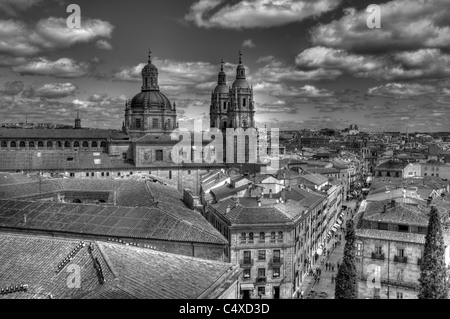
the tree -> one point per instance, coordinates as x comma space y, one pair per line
433, 273
346, 279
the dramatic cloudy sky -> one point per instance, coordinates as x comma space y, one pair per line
312, 63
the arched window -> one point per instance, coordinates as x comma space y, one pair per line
76, 144
13, 144
103, 144
49, 144
31, 144
243, 237
168, 123
59, 144
40, 144
250, 238
155, 123
262, 237
280, 236
22, 144
67, 144
4, 144
94, 144
244, 102
85, 144
272, 237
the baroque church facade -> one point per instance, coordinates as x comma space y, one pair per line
232, 107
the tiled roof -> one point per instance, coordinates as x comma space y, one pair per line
130, 272
226, 190
315, 179
33, 261
11, 178
390, 236
399, 214
392, 165
162, 223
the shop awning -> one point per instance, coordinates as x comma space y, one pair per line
247, 286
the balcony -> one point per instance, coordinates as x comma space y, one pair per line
378, 256
261, 280
245, 263
399, 259
275, 262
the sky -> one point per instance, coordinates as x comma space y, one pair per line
312, 63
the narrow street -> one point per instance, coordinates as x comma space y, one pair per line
336, 255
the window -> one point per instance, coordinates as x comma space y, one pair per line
280, 236
85, 144
4, 144
103, 174
40, 144
247, 273
22, 144
423, 230
49, 144
107, 173
378, 250
272, 237
276, 273
94, 144
359, 249
170, 174
159, 155
72, 174
261, 255
243, 238
103, 144
155, 123
247, 256
13, 144
92, 174
244, 101
400, 252
31, 145
138, 123
168, 123
382, 226
67, 144
124, 156
87, 174
76, 144
261, 272
250, 238
262, 237
403, 228
276, 256
399, 295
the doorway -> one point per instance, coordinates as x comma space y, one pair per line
276, 292
245, 294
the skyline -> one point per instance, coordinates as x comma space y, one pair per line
312, 64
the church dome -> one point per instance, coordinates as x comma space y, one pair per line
241, 83
150, 99
221, 88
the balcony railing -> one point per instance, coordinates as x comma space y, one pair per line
378, 256
275, 262
246, 262
261, 280
399, 259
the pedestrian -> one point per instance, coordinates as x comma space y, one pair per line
326, 266
318, 279
332, 267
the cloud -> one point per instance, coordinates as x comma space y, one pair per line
11, 7
12, 88
405, 25
103, 45
97, 97
61, 68
249, 44
402, 90
18, 39
255, 13
50, 91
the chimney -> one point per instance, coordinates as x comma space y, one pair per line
428, 202
24, 218
228, 208
392, 203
